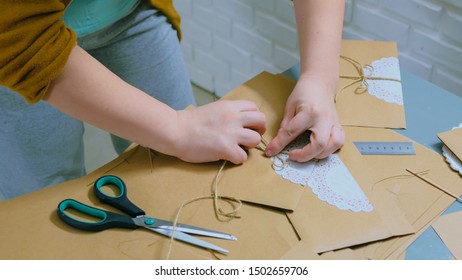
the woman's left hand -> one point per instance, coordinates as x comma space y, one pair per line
310, 107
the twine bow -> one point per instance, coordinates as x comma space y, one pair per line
361, 78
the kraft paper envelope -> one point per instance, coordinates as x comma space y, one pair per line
325, 227
453, 140
419, 201
449, 229
381, 105
255, 181
395, 247
31, 228
270, 93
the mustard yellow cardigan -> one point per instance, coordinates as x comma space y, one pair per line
35, 43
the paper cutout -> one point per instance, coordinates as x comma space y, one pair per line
451, 158
389, 91
449, 230
328, 178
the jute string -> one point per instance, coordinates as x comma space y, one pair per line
236, 203
279, 163
418, 175
361, 78
401, 176
220, 214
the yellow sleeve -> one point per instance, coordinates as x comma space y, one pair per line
34, 45
167, 8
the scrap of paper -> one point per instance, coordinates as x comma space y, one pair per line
449, 229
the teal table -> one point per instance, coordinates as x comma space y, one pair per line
429, 111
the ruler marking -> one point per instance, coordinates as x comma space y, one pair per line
385, 148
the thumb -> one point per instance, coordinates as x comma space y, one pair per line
286, 134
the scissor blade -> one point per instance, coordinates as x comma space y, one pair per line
178, 235
200, 231
193, 230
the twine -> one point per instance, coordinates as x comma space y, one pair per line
401, 176
361, 78
282, 162
435, 185
219, 212
420, 176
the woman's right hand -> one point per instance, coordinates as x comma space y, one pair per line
221, 130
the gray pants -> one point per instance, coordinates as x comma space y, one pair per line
40, 146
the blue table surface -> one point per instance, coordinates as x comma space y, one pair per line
429, 110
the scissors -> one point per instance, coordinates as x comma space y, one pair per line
137, 217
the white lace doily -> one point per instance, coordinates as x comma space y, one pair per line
451, 158
389, 91
329, 179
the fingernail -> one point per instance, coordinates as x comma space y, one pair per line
269, 152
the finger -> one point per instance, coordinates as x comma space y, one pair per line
307, 153
289, 114
254, 120
319, 140
286, 134
246, 105
337, 138
236, 155
249, 138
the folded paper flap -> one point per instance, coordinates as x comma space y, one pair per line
255, 181
370, 102
302, 251
269, 92
453, 140
327, 228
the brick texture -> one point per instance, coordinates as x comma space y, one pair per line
228, 41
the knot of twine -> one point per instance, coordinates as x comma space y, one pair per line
362, 78
279, 163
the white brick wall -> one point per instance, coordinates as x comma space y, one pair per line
428, 32
228, 41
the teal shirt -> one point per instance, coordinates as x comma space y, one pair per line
88, 16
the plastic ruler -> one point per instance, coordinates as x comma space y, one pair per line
385, 148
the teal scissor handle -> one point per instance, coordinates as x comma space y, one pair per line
120, 201
107, 219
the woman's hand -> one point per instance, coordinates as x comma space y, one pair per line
309, 107
219, 130
311, 103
